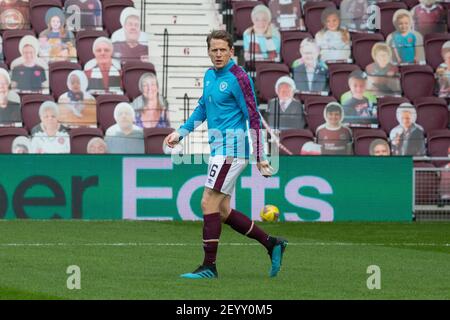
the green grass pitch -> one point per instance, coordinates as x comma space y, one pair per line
143, 260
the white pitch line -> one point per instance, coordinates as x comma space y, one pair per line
138, 244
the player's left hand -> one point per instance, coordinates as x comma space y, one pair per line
265, 168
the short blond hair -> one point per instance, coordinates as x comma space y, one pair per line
381, 46
401, 13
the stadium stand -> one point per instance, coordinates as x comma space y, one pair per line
362, 44
363, 138
313, 11
11, 39
7, 135
314, 107
79, 138
267, 75
290, 44
432, 113
412, 75
339, 78
387, 107
38, 10
58, 76
154, 138
84, 41
131, 73
30, 109
242, 16
387, 10
433, 44
111, 13
294, 139
105, 109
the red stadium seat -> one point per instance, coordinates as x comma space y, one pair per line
313, 14
362, 44
38, 9
111, 13
387, 10
364, 137
79, 138
438, 143
84, 41
7, 136
105, 109
314, 107
58, 72
433, 44
11, 39
267, 75
417, 81
411, 3
339, 78
30, 109
294, 139
131, 73
432, 113
290, 45
387, 108
242, 16
154, 138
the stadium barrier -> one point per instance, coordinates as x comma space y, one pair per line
431, 189
108, 187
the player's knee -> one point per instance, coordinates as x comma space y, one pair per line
224, 211
205, 205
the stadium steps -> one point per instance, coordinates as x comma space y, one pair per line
188, 23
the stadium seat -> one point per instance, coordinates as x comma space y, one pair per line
290, 45
79, 138
362, 44
242, 11
417, 81
337, 2
294, 139
313, 13
131, 73
432, 113
339, 78
38, 10
267, 75
314, 106
411, 3
364, 137
11, 39
154, 138
105, 109
433, 44
84, 41
111, 13
386, 113
426, 184
58, 72
387, 10
7, 136
438, 143
30, 109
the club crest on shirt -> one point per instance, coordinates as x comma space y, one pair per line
223, 86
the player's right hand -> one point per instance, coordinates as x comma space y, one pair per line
172, 139
265, 168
